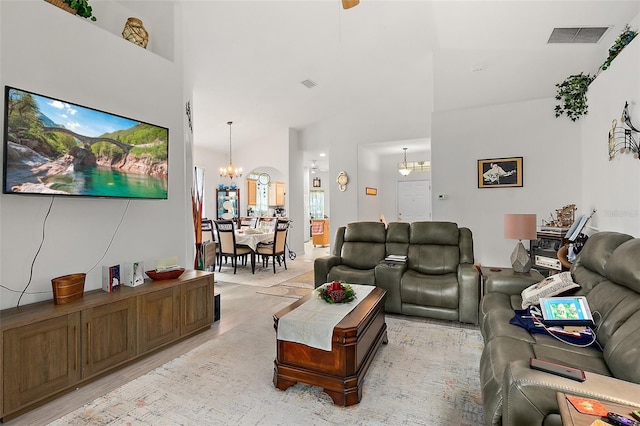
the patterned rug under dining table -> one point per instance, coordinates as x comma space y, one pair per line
340, 372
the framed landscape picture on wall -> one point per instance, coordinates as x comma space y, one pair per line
500, 172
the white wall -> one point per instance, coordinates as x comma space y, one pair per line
295, 194
550, 149
369, 166
51, 52
612, 187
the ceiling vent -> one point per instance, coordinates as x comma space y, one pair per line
309, 83
577, 35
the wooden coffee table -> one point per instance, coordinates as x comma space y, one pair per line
354, 344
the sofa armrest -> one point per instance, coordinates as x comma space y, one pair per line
468, 293
530, 395
509, 282
388, 276
321, 268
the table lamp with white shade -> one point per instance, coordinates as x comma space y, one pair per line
520, 227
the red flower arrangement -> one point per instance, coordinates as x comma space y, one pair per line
336, 292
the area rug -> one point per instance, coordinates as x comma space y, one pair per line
285, 291
295, 288
426, 375
263, 277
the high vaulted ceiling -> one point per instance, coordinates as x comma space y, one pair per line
246, 59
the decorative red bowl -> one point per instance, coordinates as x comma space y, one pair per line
169, 275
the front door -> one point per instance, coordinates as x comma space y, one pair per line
414, 200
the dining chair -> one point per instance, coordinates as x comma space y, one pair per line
248, 221
228, 247
207, 230
275, 248
267, 224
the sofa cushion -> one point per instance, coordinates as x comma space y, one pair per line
433, 259
438, 233
623, 266
553, 285
611, 305
352, 275
597, 250
623, 350
397, 238
430, 290
433, 248
360, 255
364, 245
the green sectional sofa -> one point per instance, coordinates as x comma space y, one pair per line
608, 271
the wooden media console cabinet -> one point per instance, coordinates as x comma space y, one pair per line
46, 349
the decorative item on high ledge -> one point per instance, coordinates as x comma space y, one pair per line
621, 42
75, 7
135, 32
336, 292
572, 92
624, 139
520, 227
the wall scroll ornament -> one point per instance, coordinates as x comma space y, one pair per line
624, 139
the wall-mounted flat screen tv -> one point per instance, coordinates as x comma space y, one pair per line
55, 147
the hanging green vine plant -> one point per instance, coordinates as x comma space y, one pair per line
572, 94
623, 39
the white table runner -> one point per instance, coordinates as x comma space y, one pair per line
312, 323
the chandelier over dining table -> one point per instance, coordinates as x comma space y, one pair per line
230, 171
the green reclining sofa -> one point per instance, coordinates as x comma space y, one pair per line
438, 279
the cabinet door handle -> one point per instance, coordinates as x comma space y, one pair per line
184, 307
88, 343
75, 348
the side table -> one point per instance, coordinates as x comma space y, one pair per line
506, 280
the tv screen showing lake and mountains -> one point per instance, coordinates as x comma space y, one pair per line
56, 147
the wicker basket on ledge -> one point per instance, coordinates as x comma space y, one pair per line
62, 5
68, 288
135, 32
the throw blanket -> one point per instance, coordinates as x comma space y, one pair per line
312, 323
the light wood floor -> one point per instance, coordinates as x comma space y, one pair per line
239, 304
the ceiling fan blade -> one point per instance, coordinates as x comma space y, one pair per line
348, 4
